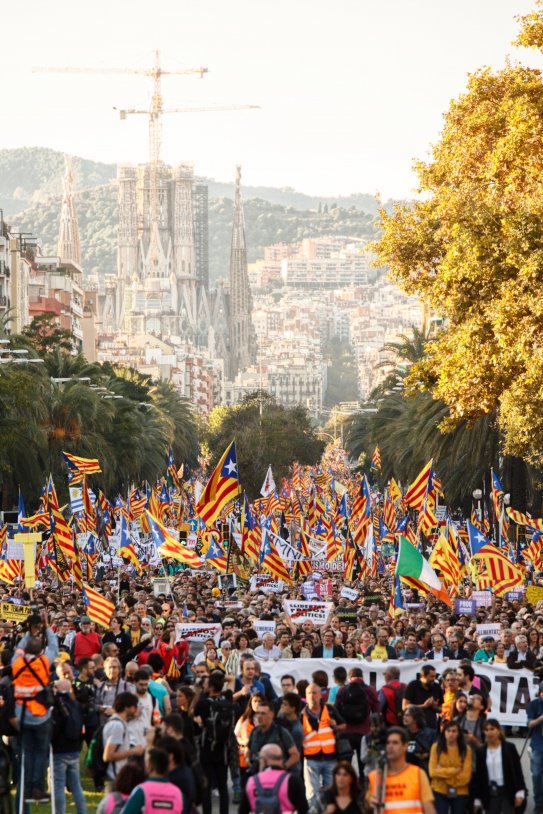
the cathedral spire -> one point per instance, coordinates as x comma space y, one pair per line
242, 335
69, 247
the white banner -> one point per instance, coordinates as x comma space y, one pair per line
510, 690
263, 626
265, 582
197, 632
489, 630
349, 593
301, 611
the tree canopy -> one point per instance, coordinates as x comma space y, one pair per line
125, 419
472, 249
280, 436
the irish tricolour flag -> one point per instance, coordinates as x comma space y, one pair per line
412, 565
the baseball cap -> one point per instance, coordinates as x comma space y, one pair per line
84, 620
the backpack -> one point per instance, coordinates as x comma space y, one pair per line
94, 760
397, 710
119, 803
219, 723
69, 718
267, 799
353, 703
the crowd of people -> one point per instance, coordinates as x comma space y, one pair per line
159, 721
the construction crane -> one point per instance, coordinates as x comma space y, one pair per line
155, 112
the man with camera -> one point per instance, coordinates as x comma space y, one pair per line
31, 669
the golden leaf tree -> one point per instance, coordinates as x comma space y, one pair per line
472, 249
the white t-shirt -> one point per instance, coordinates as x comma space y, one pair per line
116, 732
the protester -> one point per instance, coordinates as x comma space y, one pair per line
450, 768
403, 784
285, 787
499, 786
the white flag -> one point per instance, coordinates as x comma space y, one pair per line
269, 484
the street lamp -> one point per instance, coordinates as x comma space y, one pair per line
477, 497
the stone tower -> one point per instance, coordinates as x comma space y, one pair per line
69, 246
158, 290
242, 335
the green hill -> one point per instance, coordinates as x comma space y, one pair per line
31, 184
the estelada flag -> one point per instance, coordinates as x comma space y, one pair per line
222, 487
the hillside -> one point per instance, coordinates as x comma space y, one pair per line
30, 189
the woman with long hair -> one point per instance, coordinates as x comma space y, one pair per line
450, 769
499, 786
242, 645
244, 726
345, 795
471, 720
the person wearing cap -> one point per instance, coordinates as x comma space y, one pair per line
486, 650
535, 728
87, 643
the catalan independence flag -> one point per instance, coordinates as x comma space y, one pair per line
416, 493
376, 460
78, 467
97, 607
168, 546
222, 487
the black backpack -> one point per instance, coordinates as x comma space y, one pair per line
219, 723
353, 703
267, 798
94, 760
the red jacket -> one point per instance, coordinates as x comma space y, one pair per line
86, 645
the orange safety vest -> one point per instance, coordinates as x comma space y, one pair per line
402, 790
26, 684
242, 731
322, 740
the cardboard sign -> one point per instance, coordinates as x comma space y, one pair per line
349, 593
230, 604
492, 629
261, 626
465, 607
16, 551
482, 598
197, 632
161, 586
16, 613
300, 611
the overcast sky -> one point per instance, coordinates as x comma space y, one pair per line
351, 91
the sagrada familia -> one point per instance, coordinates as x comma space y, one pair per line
161, 286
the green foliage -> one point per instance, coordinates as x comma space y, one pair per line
472, 248
130, 435
406, 426
279, 437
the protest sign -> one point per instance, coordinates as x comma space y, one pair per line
308, 590
15, 550
161, 586
324, 589
265, 582
511, 596
300, 611
534, 594
510, 690
347, 614
489, 630
197, 632
227, 581
15, 613
482, 598
230, 604
465, 606
262, 626
349, 593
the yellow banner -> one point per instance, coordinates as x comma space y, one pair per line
534, 594
17, 613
